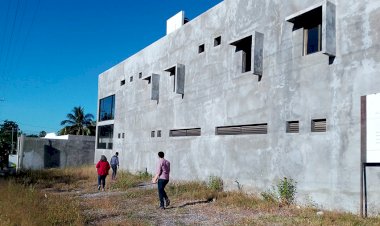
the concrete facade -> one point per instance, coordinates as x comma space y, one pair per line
283, 86
40, 153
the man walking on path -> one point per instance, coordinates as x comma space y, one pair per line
114, 165
162, 179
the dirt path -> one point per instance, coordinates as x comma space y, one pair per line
139, 206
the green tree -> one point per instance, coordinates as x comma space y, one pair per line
42, 133
78, 123
8, 133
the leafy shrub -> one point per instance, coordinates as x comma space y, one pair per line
284, 192
215, 183
287, 190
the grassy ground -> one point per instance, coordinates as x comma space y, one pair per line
70, 197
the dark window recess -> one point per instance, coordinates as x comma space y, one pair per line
172, 73
292, 126
152, 134
140, 75
311, 22
201, 48
123, 136
148, 79
245, 45
106, 108
118, 135
131, 78
105, 137
158, 133
217, 41
185, 132
318, 125
243, 129
122, 82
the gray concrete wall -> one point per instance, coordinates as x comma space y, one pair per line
325, 165
40, 153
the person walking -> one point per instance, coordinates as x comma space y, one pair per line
162, 179
114, 165
102, 167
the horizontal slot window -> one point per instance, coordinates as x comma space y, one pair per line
185, 132
261, 128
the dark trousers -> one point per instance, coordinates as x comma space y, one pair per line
114, 170
102, 180
161, 191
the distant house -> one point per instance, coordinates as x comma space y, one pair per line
55, 151
251, 91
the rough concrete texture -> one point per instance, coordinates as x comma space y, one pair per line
39, 153
326, 165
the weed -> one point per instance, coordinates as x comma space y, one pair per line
215, 183
287, 190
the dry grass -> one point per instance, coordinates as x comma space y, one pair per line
20, 205
126, 203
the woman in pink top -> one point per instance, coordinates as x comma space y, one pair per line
162, 179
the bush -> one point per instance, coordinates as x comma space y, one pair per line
287, 190
284, 192
215, 183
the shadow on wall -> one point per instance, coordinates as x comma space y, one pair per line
52, 157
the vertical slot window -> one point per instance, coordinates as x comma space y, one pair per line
201, 48
217, 41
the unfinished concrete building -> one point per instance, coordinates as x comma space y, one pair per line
252, 91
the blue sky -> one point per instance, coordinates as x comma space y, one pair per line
52, 51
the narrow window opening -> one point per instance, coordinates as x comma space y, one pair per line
217, 41
245, 45
123, 136
131, 78
118, 135
201, 48
122, 82
158, 133
172, 73
185, 132
292, 126
261, 128
140, 75
318, 125
152, 133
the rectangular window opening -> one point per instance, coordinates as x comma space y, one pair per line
245, 45
217, 41
148, 79
105, 137
292, 126
201, 48
158, 133
123, 136
172, 73
106, 108
318, 125
122, 82
185, 132
152, 133
261, 128
131, 79
140, 75
118, 135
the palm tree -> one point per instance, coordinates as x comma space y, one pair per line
78, 123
